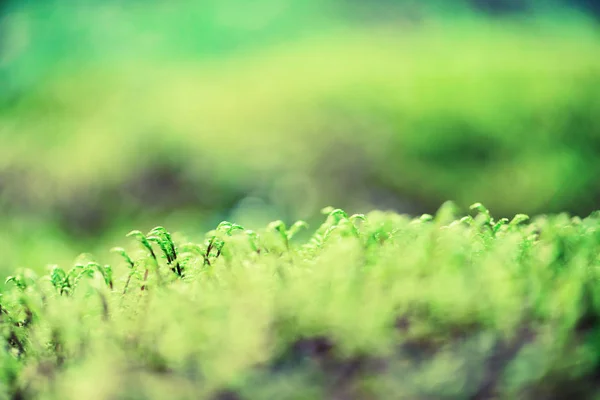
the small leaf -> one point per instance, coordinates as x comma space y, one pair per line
467, 220
338, 214
18, 281
355, 217
105, 271
278, 226
295, 228
224, 225
121, 251
163, 246
143, 240
166, 238
518, 219
499, 224
480, 207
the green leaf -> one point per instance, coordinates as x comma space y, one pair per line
480, 208
467, 220
499, 224
295, 228
356, 217
518, 219
338, 214
121, 251
143, 240
163, 246
168, 243
105, 271
279, 227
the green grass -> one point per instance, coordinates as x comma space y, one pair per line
380, 305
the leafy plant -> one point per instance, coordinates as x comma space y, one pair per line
286, 234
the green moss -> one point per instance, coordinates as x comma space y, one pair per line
371, 306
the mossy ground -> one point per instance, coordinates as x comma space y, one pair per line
375, 306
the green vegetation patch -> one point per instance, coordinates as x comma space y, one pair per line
366, 306
425, 113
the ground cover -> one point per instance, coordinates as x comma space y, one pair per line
380, 305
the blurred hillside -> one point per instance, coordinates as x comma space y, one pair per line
121, 115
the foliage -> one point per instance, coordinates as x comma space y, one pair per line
375, 104
379, 305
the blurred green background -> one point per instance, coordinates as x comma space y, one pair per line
120, 115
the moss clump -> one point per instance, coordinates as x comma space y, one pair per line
367, 306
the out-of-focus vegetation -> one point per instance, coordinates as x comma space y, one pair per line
184, 113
